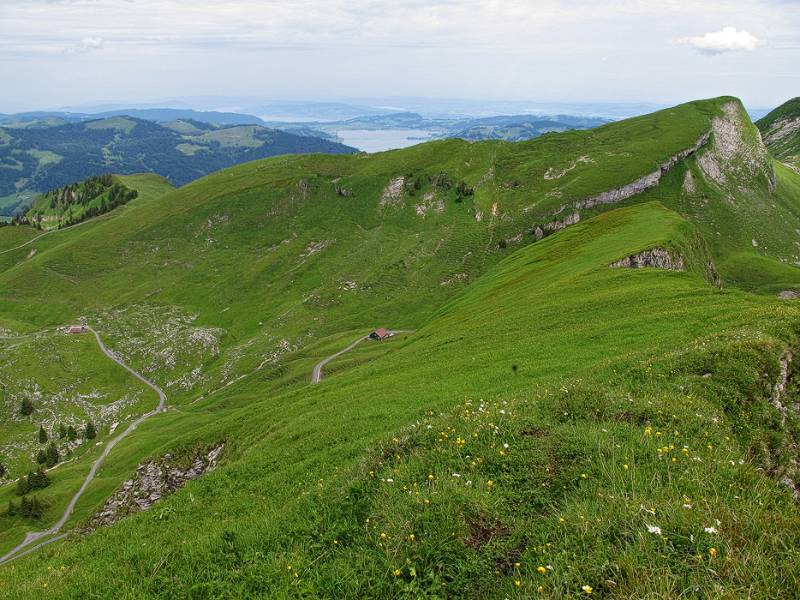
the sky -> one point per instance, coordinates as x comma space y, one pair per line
56, 53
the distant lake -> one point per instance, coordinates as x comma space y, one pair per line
378, 140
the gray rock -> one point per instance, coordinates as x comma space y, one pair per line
656, 257
153, 480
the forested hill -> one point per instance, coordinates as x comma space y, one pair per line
33, 160
82, 200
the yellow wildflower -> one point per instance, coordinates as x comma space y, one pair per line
712, 552
541, 570
517, 582
587, 589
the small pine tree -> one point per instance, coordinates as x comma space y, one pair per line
41, 457
42, 434
35, 508
23, 487
38, 480
52, 455
62, 431
3, 470
90, 432
72, 433
13, 509
26, 408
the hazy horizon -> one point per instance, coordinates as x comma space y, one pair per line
70, 53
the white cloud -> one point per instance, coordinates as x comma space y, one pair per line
88, 44
727, 40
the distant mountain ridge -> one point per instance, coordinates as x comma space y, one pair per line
37, 159
159, 115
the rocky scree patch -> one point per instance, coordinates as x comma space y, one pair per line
153, 480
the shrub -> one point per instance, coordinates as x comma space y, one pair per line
26, 408
90, 432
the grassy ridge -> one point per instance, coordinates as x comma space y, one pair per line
612, 376
228, 290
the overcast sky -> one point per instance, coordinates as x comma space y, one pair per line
66, 52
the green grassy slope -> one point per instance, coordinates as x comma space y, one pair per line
228, 290
149, 187
610, 385
274, 254
781, 131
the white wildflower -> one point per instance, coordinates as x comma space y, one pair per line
654, 529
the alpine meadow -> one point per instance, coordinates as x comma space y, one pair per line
250, 362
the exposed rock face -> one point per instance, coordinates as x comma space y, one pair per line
779, 389
643, 183
656, 257
688, 186
553, 173
782, 129
557, 225
393, 193
153, 480
730, 153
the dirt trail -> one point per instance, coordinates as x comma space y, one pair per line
316, 374
41, 235
34, 536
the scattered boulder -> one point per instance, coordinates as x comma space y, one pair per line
789, 295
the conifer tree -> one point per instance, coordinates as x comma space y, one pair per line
26, 408
42, 434
90, 432
52, 455
23, 487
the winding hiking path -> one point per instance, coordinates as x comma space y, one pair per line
41, 235
27, 546
316, 374
34, 536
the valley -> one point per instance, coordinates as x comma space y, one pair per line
599, 391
